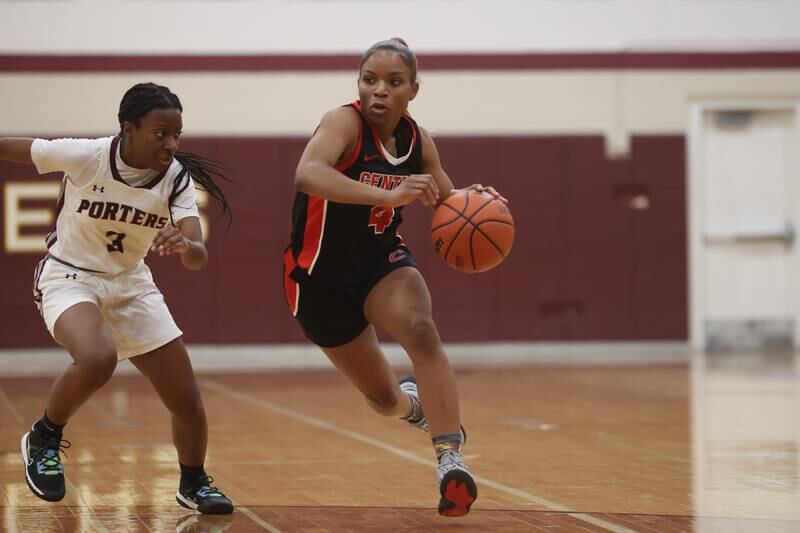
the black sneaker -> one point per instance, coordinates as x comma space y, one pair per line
43, 469
204, 497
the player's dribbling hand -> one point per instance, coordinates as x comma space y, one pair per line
168, 241
477, 187
420, 187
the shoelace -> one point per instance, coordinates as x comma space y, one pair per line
452, 458
47, 455
205, 487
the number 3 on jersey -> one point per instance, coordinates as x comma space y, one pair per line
116, 242
380, 217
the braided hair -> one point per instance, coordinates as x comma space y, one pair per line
140, 100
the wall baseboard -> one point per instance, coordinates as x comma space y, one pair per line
225, 358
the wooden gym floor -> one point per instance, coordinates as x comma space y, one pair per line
654, 448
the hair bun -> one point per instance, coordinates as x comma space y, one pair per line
400, 40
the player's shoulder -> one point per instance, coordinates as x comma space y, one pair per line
94, 147
92, 144
177, 171
100, 145
71, 149
424, 133
343, 118
425, 137
103, 141
83, 143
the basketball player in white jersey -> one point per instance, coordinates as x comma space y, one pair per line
121, 198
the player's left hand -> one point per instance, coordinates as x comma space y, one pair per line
169, 240
477, 187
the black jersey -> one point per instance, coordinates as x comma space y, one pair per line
339, 242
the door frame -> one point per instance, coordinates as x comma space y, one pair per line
695, 201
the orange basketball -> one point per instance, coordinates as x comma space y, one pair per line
472, 231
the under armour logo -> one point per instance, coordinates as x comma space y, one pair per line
95, 187
74, 276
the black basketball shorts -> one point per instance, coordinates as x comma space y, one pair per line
332, 314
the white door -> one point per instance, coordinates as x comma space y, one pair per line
745, 218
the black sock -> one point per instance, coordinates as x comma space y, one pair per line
190, 474
44, 430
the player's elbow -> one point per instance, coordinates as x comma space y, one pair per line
304, 177
301, 178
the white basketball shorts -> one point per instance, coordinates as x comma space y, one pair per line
131, 304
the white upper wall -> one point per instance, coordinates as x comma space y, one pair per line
339, 26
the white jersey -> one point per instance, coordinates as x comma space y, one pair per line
109, 213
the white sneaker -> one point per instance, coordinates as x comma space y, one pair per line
408, 384
457, 488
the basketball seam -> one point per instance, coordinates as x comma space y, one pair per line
456, 211
488, 238
479, 210
466, 205
471, 247
467, 221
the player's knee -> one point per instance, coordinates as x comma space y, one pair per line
99, 363
421, 333
383, 403
189, 407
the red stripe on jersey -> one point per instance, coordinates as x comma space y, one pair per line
290, 286
312, 237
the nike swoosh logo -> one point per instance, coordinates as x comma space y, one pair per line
370, 157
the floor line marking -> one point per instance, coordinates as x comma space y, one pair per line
322, 424
258, 520
13, 410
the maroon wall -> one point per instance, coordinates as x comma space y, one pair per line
585, 266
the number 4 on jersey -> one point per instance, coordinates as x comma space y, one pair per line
380, 217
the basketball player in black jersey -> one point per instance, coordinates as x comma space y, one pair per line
347, 269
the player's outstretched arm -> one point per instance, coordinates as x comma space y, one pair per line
16, 149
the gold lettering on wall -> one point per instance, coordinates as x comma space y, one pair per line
17, 217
